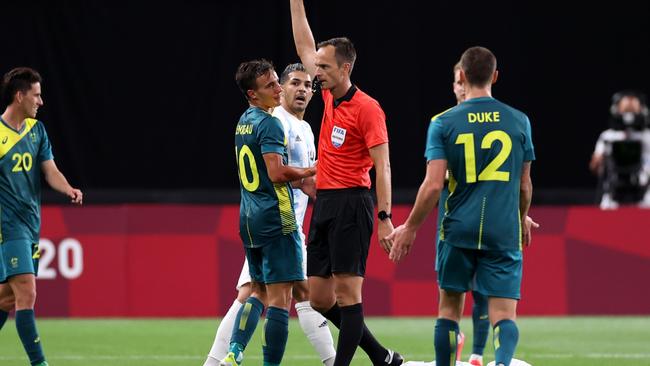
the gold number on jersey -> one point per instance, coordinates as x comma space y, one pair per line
249, 184
467, 139
491, 171
23, 162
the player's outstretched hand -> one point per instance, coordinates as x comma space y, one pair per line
76, 196
526, 234
403, 239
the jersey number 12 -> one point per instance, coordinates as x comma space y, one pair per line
491, 171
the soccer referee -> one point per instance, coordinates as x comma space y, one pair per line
352, 139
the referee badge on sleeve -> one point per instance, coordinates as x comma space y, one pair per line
338, 136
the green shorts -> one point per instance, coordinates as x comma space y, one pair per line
493, 273
278, 261
18, 256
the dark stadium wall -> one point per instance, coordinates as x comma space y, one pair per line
183, 261
140, 95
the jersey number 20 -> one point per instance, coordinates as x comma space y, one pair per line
491, 171
243, 155
23, 162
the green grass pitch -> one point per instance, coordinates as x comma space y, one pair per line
544, 341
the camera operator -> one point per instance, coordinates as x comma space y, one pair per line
621, 158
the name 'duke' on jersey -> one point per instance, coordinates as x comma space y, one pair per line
483, 117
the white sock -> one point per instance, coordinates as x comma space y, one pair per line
221, 343
314, 325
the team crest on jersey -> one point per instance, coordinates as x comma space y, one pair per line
338, 136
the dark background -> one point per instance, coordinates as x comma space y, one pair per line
140, 97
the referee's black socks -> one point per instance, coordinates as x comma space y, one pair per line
375, 351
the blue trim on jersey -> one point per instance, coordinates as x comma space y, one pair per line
11, 128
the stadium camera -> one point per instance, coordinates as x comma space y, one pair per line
629, 120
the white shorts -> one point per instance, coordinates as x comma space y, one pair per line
245, 276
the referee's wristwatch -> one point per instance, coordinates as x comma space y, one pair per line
383, 215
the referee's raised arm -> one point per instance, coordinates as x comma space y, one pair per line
302, 36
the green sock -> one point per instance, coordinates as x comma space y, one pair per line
276, 333
506, 336
481, 323
3, 317
245, 324
445, 338
26, 326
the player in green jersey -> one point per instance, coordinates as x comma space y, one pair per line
487, 147
480, 319
25, 152
268, 226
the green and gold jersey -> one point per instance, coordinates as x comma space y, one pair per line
485, 143
21, 155
266, 209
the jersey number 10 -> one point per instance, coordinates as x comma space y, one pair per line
491, 171
243, 155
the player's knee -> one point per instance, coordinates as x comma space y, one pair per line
450, 313
26, 298
497, 315
244, 293
301, 296
321, 304
261, 296
282, 301
300, 293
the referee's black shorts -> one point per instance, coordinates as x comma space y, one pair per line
340, 231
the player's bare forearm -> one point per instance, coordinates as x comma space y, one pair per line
280, 173
525, 191
426, 199
287, 174
302, 36
403, 236
428, 193
525, 198
59, 183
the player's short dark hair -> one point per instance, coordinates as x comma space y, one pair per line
478, 64
19, 79
343, 50
249, 71
289, 69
